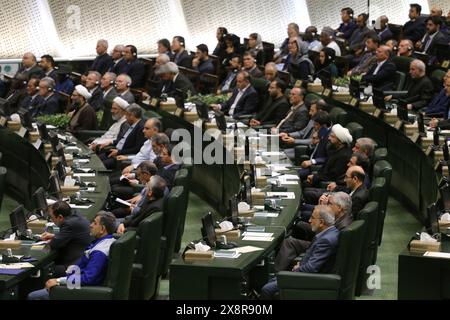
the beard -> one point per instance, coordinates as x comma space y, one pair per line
116, 117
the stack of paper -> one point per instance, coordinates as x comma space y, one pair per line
282, 195
257, 236
228, 254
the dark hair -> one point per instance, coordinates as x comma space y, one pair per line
365, 16
281, 85
375, 38
330, 55
322, 117
310, 33
157, 123
161, 139
165, 43
35, 81
236, 55
203, 48
135, 110
158, 186
360, 176
435, 20
245, 74
362, 160
348, 10
148, 167
180, 39
133, 49
108, 220
49, 58
223, 30
61, 208
416, 6
253, 35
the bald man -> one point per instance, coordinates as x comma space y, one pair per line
382, 74
354, 180
30, 67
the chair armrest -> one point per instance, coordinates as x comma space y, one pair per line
304, 280
245, 117
138, 188
395, 94
84, 293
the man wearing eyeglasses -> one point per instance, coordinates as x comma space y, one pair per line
320, 256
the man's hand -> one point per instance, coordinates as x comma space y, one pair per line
70, 114
121, 158
145, 96
127, 169
388, 98
92, 146
418, 45
103, 145
254, 123
47, 236
306, 164
433, 123
135, 200
331, 186
409, 106
296, 267
195, 62
310, 179
349, 73
283, 135
323, 200
215, 107
133, 182
113, 153
50, 284
121, 229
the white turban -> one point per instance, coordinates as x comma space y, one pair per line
342, 134
83, 91
121, 102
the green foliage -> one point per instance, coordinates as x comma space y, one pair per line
60, 120
345, 81
209, 98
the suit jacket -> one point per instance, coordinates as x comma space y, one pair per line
134, 141
320, 153
336, 166
136, 70
169, 174
359, 200
71, 240
127, 96
297, 121
83, 119
183, 59
305, 133
110, 96
53, 75
385, 35
320, 256
96, 101
31, 104
439, 38
420, 92
384, 79
181, 82
414, 30
50, 106
148, 208
358, 37
34, 71
118, 67
248, 103
274, 111
101, 63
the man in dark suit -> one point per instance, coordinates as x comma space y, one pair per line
107, 86
244, 100
444, 124
354, 180
155, 202
276, 107
414, 29
72, 238
382, 74
50, 104
32, 99
168, 168
173, 80
135, 68
128, 143
123, 84
432, 38
297, 117
419, 86
30, 67
229, 83
181, 56
118, 64
384, 33
93, 85
103, 60
47, 64
320, 256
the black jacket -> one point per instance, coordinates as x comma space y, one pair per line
335, 167
35, 71
134, 141
181, 83
96, 101
359, 200
183, 59
148, 208
101, 63
71, 240
119, 67
50, 106
248, 103
168, 174
136, 71
414, 30
274, 111
297, 121
384, 79
420, 92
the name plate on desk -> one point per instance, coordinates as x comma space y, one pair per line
13, 244
192, 255
398, 125
377, 113
424, 246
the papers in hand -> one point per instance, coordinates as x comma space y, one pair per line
123, 202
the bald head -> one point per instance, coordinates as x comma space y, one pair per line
436, 11
382, 53
354, 177
28, 60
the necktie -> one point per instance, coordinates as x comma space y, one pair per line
427, 43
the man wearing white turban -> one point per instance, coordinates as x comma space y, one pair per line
83, 116
334, 169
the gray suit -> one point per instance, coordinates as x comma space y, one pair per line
127, 96
297, 121
302, 138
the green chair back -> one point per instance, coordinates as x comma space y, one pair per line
380, 154
107, 119
402, 63
3, 172
338, 115
400, 79
261, 86
356, 130
182, 179
383, 169
145, 268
